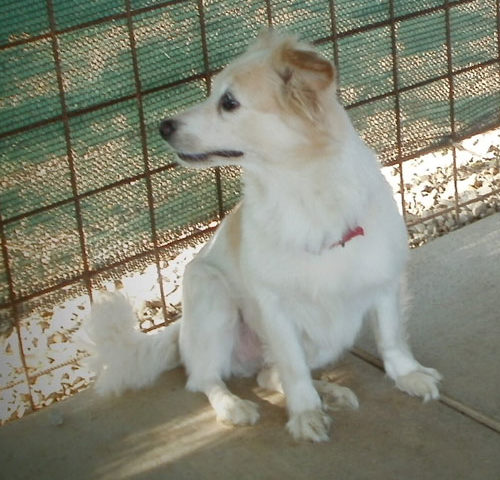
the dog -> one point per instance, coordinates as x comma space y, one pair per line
316, 245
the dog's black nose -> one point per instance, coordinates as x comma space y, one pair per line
167, 128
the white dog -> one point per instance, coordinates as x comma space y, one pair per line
316, 245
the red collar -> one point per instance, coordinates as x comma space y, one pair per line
352, 233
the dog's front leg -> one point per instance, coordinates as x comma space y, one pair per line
307, 420
399, 362
206, 341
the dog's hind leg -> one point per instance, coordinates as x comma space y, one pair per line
332, 394
399, 362
336, 396
207, 336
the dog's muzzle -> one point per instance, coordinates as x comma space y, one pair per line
167, 129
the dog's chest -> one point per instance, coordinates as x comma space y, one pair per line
299, 244
311, 231
316, 263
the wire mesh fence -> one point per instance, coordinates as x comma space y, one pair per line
88, 192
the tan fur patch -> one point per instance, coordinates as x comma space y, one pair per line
320, 71
305, 76
292, 81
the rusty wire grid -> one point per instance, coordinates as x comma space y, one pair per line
88, 193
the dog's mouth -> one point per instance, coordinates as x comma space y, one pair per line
199, 157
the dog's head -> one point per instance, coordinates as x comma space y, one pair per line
275, 102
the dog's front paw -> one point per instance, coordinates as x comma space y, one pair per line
236, 411
420, 383
312, 425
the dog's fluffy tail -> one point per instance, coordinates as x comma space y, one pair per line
123, 357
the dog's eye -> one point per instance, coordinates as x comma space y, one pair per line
228, 103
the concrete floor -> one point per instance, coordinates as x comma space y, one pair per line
168, 433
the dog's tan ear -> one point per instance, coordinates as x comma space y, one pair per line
317, 72
305, 75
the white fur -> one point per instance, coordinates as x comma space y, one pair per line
270, 291
125, 358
